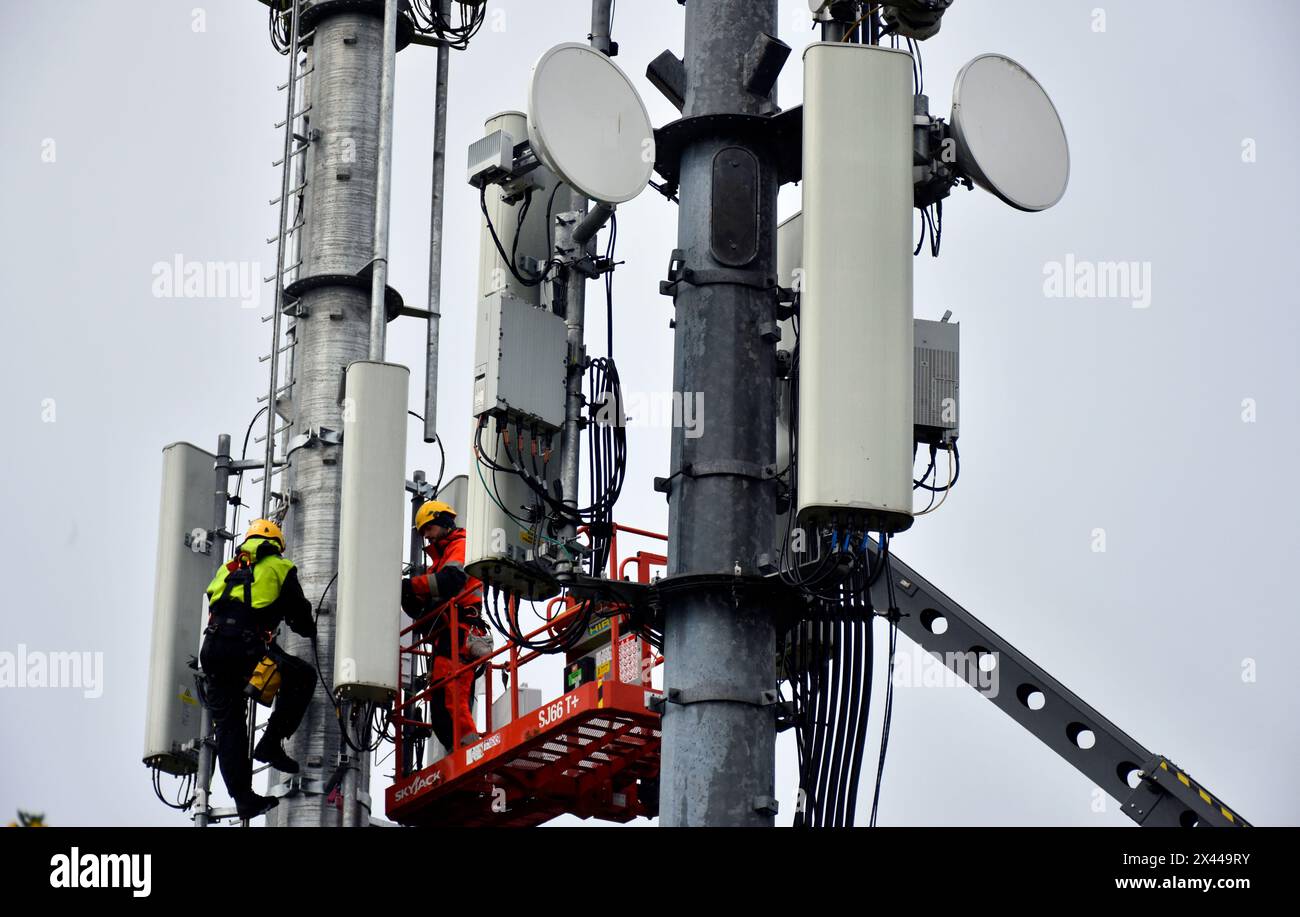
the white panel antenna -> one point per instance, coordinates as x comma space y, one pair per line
372, 531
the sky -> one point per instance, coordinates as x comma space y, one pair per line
1123, 515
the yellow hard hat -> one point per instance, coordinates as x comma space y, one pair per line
430, 511
264, 528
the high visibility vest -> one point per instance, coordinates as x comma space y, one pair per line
249, 580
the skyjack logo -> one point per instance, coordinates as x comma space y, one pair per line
103, 870
476, 752
417, 786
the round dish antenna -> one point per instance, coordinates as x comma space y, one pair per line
588, 125
1010, 140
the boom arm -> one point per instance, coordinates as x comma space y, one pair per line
1164, 795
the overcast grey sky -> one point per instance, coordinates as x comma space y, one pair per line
1078, 413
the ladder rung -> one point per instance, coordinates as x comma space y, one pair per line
293, 117
297, 152
274, 471
288, 232
265, 357
292, 192
297, 78
263, 437
291, 267
261, 399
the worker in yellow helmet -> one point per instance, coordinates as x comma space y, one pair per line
247, 600
429, 598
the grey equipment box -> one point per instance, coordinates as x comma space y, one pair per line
935, 365
519, 356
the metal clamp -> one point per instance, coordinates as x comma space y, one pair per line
758, 280
730, 468
323, 436
766, 698
297, 783
750, 470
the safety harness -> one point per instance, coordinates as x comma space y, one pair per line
230, 617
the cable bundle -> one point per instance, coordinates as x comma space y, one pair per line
954, 471
527, 453
427, 18
506, 622
827, 659
184, 791
279, 15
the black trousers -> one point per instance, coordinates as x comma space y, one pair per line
228, 659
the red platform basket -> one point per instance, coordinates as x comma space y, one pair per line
593, 752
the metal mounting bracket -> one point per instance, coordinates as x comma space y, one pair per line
679, 273
714, 694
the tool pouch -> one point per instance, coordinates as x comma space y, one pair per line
478, 644
265, 682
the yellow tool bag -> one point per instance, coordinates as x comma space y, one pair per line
265, 682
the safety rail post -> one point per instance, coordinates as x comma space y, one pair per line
400, 707
454, 653
514, 681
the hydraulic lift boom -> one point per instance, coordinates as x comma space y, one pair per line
1154, 792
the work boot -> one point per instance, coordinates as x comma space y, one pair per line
269, 751
253, 805
469, 738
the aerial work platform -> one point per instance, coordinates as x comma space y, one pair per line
593, 752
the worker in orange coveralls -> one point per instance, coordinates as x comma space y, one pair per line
444, 585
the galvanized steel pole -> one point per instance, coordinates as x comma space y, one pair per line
435, 235
573, 286
220, 536
718, 728
332, 330
601, 12
383, 184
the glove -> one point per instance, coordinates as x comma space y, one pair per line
411, 603
307, 629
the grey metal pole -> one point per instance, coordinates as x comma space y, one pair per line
834, 30
571, 284
357, 774
203, 780
220, 501
601, 11
417, 543
332, 330
268, 463
383, 184
435, 236
719, 739
355, 779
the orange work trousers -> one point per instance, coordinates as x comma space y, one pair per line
450, 713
